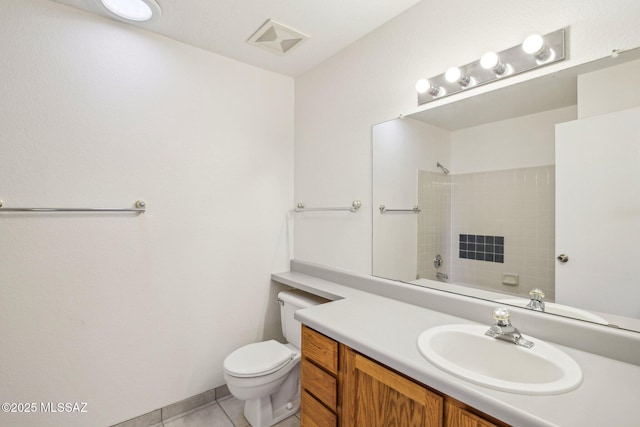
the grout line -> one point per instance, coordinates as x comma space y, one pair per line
225, 413
190, 411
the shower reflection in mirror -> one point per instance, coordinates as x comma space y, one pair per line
483, 171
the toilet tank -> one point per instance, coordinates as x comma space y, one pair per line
290, 301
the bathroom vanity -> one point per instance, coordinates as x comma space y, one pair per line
361, 360
370, 393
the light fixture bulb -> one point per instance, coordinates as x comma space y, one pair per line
132, 10
491, 61
425, 86
534, 45
422, 86
453, 74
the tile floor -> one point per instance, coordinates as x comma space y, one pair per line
225, 412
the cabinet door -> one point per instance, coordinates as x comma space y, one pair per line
375, 396
459, 417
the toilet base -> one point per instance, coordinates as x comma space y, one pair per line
284, 402
260, 414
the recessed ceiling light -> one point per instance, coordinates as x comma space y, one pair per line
133, 10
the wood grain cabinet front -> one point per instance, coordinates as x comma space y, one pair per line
320, 349
375, 396
341, 387
321, 384
460, 415
319, 380
315, 414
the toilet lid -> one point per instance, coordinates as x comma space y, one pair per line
256, 359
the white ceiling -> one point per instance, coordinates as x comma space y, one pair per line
224, 26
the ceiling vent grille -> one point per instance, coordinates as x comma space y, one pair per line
277, 38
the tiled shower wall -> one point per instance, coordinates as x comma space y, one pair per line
434, 223
518, 204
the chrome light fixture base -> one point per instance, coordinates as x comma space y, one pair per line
513, 60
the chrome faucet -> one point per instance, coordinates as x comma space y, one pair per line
536, 302
503, 330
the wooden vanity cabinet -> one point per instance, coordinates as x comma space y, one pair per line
457, 414
319, 380
343, 388
375, 396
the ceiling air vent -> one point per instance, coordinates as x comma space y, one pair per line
277, 38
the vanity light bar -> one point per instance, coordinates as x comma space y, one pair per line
536, 51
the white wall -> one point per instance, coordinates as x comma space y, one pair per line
130, 313
401, 149
609, 90
520, 142
373, 81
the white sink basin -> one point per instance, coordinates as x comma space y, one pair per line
553, 308
466, 352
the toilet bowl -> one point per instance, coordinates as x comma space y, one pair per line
266, 375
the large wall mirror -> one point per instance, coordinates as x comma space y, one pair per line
532, 186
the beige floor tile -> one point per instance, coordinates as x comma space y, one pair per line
207, 416
292, 421
234, 408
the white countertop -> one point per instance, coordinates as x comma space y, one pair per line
387, 330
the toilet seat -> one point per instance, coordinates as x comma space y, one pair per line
258, 359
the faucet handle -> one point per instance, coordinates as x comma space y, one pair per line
501, 315
536, 294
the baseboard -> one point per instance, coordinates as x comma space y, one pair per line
156, 417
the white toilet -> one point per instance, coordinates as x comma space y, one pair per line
267, 374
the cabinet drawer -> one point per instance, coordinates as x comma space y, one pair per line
319, 383
321, 349
314, 414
